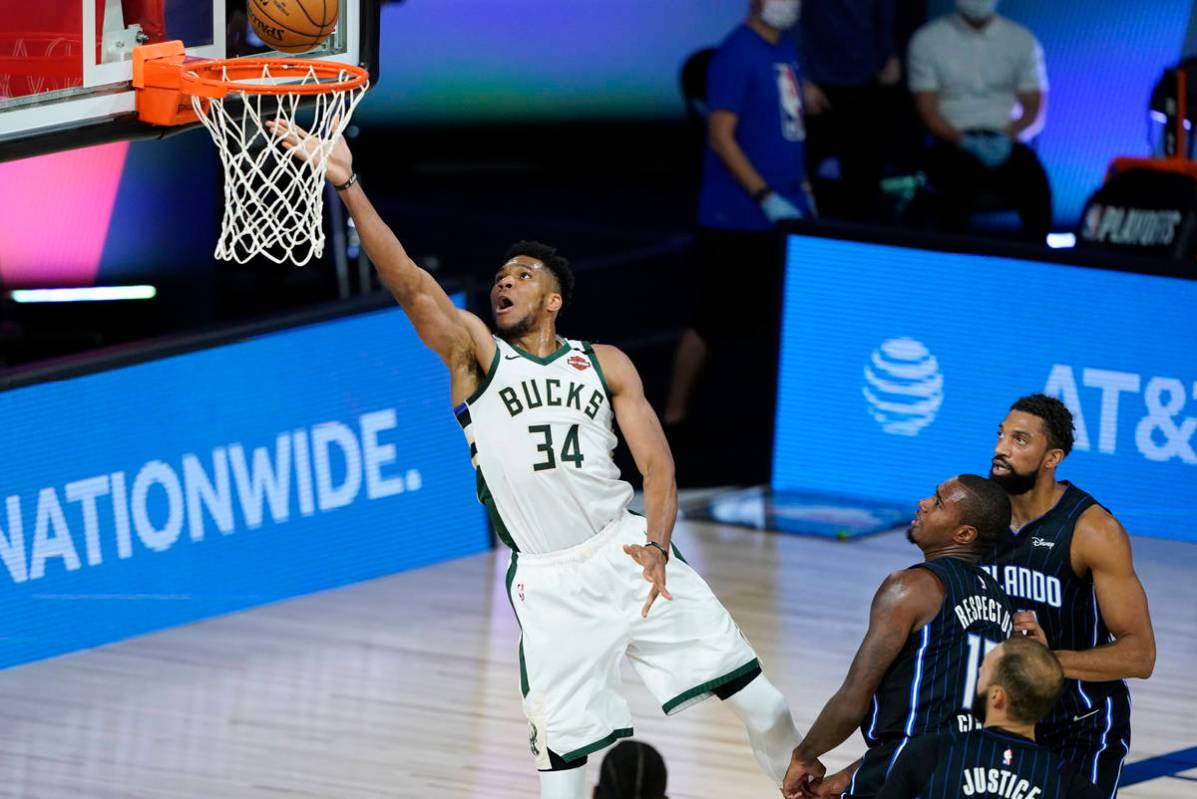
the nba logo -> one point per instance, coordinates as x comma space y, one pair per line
521, 587
788, 90
1092, 224
1007, 757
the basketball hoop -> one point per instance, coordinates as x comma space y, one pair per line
274, 202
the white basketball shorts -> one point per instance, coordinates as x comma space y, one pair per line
579, 610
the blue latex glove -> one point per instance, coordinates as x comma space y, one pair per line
779, 209
991, 151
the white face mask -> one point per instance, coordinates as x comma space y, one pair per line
977, 10
781, 14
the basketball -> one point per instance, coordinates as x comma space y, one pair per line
293, 26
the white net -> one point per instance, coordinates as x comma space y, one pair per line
274, 201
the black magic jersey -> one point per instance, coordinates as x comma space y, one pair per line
1034, 566
984, 763
929, 688
1090, 723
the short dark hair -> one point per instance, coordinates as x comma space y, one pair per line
632, 770
986, 507
1056, 418
1032, 677
553, 262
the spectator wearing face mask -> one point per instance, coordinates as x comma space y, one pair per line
753, 178
980, 88
754, 170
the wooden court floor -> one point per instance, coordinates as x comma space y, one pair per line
407, 686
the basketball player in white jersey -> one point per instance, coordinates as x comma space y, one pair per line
537, 410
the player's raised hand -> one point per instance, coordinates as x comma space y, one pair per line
653, 562
1026, 623
303, 145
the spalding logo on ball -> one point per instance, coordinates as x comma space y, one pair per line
293, 26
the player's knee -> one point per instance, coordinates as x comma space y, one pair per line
761, 707
556, 763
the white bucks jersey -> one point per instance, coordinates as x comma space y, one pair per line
541, 440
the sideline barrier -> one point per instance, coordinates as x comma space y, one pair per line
177, 489
898, 364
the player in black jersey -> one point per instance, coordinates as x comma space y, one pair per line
929, 627
1019, 682
1067, 559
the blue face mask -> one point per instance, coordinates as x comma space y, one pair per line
977, 10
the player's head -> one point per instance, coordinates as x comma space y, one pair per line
533, 286
1019, 682
1032, 440
631, 770
966, 512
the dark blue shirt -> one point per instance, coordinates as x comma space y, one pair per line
759, 83
846, 42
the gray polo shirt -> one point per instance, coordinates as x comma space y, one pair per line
977, 73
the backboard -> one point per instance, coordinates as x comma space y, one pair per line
66, 65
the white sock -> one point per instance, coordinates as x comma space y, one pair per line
568, 784
770, 726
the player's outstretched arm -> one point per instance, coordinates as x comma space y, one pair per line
1102, 548
458, 337
905, 602
642, 430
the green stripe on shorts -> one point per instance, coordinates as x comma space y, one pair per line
602, 743
515, 557
708, 687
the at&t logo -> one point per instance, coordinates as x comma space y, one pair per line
903, 386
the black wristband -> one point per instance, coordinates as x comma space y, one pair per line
762, 194
346, 184
660, 548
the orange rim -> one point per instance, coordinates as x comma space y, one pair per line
216, 78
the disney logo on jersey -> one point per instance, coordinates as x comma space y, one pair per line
1162, 430
1042, 542
903, 386
578, 362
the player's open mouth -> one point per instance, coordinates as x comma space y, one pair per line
503, 304
999, 467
